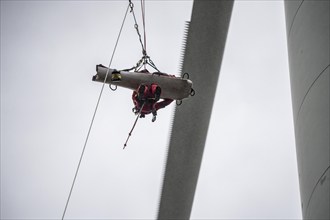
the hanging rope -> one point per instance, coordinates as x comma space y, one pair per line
145, 58
144, 28
131, 5
91, 124
137, 117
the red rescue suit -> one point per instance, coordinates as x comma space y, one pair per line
149, 95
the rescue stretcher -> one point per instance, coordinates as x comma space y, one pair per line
173, 87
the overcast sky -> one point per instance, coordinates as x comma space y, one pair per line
49, 50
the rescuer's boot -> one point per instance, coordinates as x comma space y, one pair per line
154, 114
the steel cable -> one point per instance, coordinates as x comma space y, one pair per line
91, 124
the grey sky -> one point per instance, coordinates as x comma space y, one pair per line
254, 174
49, 51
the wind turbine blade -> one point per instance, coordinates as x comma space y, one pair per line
202, 60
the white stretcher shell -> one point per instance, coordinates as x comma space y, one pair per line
175, 88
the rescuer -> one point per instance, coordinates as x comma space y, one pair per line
148, 97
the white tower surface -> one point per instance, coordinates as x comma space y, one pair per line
308, 46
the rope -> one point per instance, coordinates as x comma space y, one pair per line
91, 124
137, 117
131, 5
144, 27
145, 58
